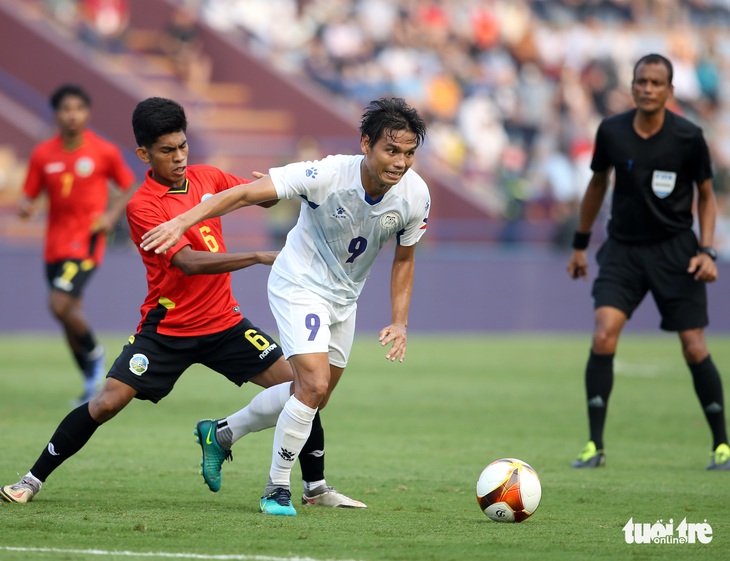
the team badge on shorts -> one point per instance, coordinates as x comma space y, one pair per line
138, 364
390, 220
662, 183
62, 284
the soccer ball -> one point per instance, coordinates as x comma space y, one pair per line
508, 490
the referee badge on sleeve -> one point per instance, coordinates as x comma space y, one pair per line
662, 183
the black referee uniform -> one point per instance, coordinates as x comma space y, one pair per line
650, 238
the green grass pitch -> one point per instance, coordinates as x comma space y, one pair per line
408, 439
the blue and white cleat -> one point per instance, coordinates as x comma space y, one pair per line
278, 503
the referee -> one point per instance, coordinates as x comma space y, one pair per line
658, 157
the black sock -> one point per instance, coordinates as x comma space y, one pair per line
708, 387
599, 382
70, 436
87, 342
311, 458
85, 345
80, 358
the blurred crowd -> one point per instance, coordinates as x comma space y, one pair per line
101, 24
513, 89
104, 25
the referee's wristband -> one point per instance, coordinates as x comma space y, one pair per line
580, 240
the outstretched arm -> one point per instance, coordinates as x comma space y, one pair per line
166, 235
192, 262
401, 289
590, 206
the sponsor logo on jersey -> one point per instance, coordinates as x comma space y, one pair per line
84, 167
312, 172
662, 183
390, 220
138, 364
339, 213
54, 167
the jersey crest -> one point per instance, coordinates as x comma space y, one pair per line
663, 182
391, 221
84, 167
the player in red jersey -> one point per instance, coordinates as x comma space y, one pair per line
189, 316
73, 168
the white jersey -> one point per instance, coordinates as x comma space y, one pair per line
340, 230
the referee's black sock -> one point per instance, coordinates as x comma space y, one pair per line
311, 458
708, 387
70, 436
599, 382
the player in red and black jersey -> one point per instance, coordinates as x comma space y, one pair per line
661, 161
73, 169
188, 317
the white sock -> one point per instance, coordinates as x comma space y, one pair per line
310, 485
292, 431
261, 413
34, 478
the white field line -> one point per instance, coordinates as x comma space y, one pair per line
160, 554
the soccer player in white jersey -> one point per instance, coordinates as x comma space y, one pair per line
351, 206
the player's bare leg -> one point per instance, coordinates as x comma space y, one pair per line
89, 355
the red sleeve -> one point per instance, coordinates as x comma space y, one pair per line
119, 171
34, 180
142, 217
223, 180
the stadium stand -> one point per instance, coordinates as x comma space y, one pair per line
513, 90
261, 106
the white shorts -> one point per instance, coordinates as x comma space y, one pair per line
310, 324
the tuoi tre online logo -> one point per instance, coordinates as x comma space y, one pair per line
659, 532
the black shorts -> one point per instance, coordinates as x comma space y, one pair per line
151, 363
70, 276
628, 271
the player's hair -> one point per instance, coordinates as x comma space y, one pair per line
155, 117
391, 114
654, 58
68, 90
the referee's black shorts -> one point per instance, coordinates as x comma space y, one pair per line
628, 271
151, 363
